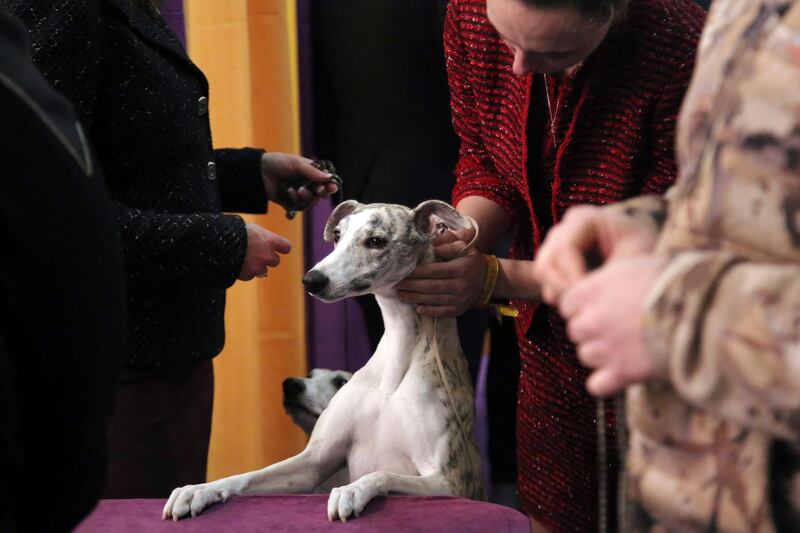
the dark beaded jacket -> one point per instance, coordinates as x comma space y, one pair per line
614, 137
144, 105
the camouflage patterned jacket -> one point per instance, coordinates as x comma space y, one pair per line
715, 444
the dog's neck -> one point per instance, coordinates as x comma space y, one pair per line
403, 331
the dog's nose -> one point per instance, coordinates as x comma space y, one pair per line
293, 387
314, 281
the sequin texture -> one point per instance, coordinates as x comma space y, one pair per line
138, 96
615, 132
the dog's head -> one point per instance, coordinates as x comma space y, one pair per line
305, 398
377, 246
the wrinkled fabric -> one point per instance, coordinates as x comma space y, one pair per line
615, 131
713, 443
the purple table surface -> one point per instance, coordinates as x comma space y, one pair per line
304, 513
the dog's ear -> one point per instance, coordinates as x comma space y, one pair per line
434, 217
341, 211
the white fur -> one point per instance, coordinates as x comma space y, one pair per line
397, 425
305, 407
318, 388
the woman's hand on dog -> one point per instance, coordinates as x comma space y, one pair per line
450, 287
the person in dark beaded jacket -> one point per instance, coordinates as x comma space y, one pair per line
557, 102
144, 106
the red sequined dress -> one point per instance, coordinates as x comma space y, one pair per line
614, 136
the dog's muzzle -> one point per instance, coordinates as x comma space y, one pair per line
293, 387
315, 281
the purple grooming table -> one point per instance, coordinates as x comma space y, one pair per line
304, 513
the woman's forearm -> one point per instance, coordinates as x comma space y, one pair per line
515, 280
492, 219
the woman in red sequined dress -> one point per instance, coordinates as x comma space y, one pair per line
557, 103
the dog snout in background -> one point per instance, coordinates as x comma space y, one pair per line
304, 399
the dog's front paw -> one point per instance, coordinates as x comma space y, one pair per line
348, 501
193, 499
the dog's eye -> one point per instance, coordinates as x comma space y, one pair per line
375, 242
336, 235
339, 382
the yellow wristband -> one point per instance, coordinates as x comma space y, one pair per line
506, 310
489, 282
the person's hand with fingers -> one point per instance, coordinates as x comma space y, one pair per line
449, 287
584, 232
605, 314
263, 247
277, 167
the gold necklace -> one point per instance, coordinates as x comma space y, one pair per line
550, 110
566, 77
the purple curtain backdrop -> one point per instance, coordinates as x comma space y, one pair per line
336, 335
172, 10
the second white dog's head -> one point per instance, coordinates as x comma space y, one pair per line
377, 246
304, 399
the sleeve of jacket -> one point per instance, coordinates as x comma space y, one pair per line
663, 171
240, 183
475, 172
649, 210
196, 248
725, 333
62, 296
67, 42
10, 454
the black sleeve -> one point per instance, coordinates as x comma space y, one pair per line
240, 182
68, 47
10, 456
168, 249
62, 294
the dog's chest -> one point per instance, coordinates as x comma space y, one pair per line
403, 432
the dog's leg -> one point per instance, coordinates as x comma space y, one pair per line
294, 475
351, 499
325, 453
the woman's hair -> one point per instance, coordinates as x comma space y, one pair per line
602, 9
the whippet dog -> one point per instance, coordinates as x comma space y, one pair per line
404, 422
304, 399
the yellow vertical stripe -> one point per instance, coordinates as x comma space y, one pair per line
248, 51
